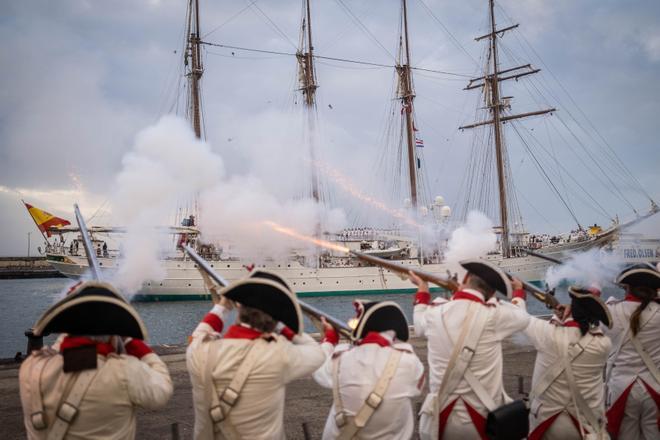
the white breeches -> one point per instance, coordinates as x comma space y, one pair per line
640, 416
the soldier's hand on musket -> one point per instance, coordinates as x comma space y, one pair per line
226, 303
417, 281
516, 284
563, 311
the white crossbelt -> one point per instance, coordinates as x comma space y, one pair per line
223, 402
350, 426
462, 353
69, 408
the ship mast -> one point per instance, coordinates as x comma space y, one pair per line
308, 86
491, 84
193, 60
407, 95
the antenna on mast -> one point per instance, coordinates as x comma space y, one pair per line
490, 82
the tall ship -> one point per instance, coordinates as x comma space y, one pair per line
333, 272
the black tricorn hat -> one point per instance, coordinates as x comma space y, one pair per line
269, 275
380, 316
92, 308
491, 274
642, 275
270, 297
589, 303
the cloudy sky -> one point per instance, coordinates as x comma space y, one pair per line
82, 78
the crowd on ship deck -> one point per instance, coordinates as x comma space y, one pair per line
596, 373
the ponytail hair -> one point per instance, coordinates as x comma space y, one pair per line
646, 295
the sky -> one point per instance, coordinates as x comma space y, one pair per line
81, 79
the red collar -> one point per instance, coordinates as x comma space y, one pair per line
469, 296
241, 332
375, 338
570, 323
102, 348
631, 297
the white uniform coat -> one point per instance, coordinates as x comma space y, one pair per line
556, 399
637, 411
360, 368
259, 412
441, 323
107, 411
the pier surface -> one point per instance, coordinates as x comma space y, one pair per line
306, 402
27, 267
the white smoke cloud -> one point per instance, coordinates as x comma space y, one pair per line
474, 239
167, 164
594, 267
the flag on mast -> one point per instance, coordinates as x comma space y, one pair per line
45, 220
419, 143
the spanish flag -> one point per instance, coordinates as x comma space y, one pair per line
45, 220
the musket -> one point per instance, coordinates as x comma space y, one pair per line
545, 297
92, 262
308, 309
446, 283
543, 257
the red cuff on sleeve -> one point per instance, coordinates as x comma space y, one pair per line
138, 348
519, 293
331, 336
287, 333
422, 297
214, 321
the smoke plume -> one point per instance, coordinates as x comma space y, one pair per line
593, 268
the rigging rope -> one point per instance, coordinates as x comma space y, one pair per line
341, 60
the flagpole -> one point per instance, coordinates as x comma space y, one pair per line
35, 222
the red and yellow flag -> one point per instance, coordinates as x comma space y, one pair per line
45, 220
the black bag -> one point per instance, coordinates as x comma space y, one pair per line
508, 422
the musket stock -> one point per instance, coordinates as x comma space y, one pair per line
545, 297
446, 283
306, 308
92, 262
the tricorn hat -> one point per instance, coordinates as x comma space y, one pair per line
588, 302
92, 308
271, 297
491, 274
380, 316
643, 275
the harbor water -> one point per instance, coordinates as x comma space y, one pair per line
23, 301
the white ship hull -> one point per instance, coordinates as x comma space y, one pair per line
183, 281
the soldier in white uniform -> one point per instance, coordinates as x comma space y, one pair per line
239, 377
465, 378
634, 380
87, 385
567, 400
374, 379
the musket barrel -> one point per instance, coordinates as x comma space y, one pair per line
446, 283
544, 257
92, 262
310, 310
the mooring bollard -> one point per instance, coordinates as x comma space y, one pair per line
175, 431
306, 434
34, 342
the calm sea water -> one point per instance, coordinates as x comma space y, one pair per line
23, 301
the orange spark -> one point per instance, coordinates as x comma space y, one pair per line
292, 233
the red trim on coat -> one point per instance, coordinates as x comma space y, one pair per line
540, 430
214, 321
137, 348
478, 420
615, 412
468, 296
287, 333
240, 332
102, 348
444, 416
656, 398
519, 293
331, 336
374, 338
422, 297
632, 298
